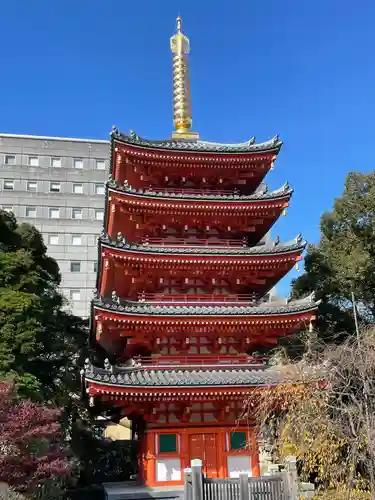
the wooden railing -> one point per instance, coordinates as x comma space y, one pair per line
200, 360
245, 488
198, 487
184, 242
191, 298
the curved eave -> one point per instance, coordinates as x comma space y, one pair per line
263, 251
168, 387
184, 392
198, 146
269, 313
238, 201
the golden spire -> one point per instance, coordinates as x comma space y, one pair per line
182, 119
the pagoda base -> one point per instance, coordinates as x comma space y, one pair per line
224, 451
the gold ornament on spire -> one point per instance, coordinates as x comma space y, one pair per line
182, 116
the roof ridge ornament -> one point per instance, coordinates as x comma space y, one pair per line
299, 238
311, 297
182, 114
133, 135
114, 131
115, 298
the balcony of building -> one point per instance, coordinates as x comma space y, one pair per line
194, 191
200, 361
190, 241
162, 298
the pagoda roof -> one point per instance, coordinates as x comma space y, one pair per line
276, 308
262, 193
182, 377
196, 145
267, 249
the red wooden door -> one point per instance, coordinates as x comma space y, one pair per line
210, 449
203, 446
196, 446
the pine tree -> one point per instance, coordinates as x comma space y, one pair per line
343, 262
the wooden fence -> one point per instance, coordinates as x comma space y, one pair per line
275, 487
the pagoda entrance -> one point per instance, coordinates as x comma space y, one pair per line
225, 451
204, 447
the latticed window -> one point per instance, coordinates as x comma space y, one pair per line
237, 440
167, 443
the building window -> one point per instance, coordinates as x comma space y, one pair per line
76, 213
77, 188
76, 239
8, 185
77, 163
167, 443
99, 189
7, 208
75, 266
75, 295
237, 440
54, 213
95, 267
30, 211
10, 160
54, 187
99, 214
55, 162
33, 161
32, 186
53, 239
100, 165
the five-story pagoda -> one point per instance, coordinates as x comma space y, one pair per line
185, 272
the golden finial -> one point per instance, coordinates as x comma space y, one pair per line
182, 116
179, 24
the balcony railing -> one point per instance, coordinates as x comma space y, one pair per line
184, 242
194, 191
191, 298
200, 360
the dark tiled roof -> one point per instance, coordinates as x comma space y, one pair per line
180, 377
261, 193
117, 305
272, 248
189, 145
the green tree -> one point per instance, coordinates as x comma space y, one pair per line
323, 412
39, 338
344, 260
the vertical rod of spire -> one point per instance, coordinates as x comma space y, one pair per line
182, 114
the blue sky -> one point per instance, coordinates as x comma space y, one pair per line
299, 68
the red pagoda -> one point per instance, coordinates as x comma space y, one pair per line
185, 271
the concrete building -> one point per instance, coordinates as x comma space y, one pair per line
57, 184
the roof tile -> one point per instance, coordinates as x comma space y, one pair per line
187, 146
